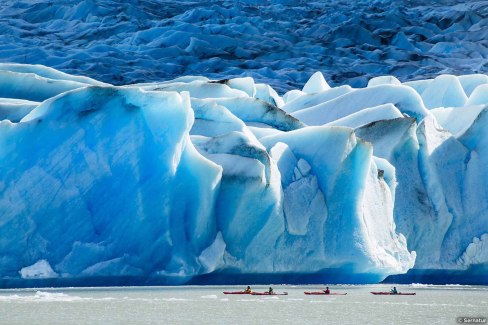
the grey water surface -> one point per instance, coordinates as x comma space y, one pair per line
208, 305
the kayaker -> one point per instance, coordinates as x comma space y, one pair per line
327, 291
248, 289
394, 291
270, 291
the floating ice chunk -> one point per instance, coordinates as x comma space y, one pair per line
316, 84
383, 80
41, 269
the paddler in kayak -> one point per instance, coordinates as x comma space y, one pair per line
248, 289
270, 291
394, 291
327, 291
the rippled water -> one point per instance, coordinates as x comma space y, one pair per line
208, 305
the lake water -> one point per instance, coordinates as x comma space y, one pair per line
208, 305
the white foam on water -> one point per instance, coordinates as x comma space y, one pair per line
248, 300
41, 296
420, 285
271, 298
176, 299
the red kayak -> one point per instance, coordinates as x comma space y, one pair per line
236, 293
394, 294
325, 294
269, 294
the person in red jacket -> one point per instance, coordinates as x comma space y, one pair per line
327, 291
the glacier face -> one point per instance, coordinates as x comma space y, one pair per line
157, 181
196, 178
200, 180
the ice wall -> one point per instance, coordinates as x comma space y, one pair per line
181, 179
196, 179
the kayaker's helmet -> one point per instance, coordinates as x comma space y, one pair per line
248, 287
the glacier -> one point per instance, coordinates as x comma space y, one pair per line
196, 180
199, 142
277, 42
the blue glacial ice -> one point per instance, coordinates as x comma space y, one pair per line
159, 182
278, 42
322, 144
